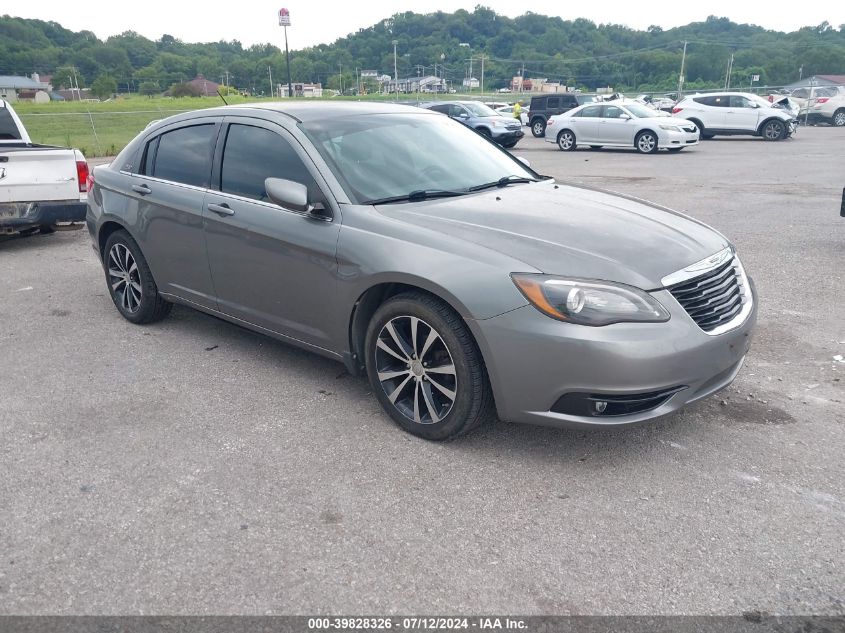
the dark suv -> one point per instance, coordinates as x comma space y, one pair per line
547, 106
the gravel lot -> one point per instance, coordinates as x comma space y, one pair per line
195, 467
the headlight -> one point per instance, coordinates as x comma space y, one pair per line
499, 124
670, 128
588, 302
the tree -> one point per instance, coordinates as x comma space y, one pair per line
149, 88
183, 90
104, 87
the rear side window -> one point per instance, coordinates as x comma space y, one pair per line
253, 154
713, 101
443, 109
183, 155
553, 102
8, 130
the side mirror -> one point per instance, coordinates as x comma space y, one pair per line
289, 194
294, 196
625, 117
463, 115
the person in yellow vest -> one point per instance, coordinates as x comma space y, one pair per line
517, 111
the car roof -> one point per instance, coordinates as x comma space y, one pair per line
317, 110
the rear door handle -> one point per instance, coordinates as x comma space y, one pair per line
221, 209
142, 189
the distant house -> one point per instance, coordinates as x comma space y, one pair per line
429, 83
203, 86
75, 95
818, 80
11, 87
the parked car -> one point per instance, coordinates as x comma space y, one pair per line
41, 186
505, 131
802, 95
628, 124
662, 104
405, 245
544, 107
826, 110
507, 111
731, 113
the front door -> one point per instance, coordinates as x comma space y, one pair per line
613, 129
271, 266
742, 113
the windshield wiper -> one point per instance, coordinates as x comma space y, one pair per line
502, 182
418, 195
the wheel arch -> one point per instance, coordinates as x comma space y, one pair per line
769, 120
105, 231
369, 301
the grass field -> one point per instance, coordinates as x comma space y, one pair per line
103, 129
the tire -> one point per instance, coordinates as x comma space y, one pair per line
130, 282
46, 229
674, 150
510, 145
596, 147
538, 128
706, 137
838, 119
485, 132
461, 399
566, 140
773, 130
646, 142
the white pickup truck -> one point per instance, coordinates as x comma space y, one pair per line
41, 186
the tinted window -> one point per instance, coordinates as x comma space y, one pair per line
184, 155
713, 101
149, 155
444, 109
737, 101
553, 102
8, 130
612, 112
593, 111
253, 154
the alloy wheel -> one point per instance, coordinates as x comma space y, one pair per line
566, 141
416, 370
839, 118
125, 278
646, 143
773, 130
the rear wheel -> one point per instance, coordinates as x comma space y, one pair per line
425, 367
130, 282
839, 117
566, 140
538, 128
646, 142
773, 130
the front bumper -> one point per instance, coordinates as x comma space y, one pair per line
533, 361
506, 136
18, 216
669, 139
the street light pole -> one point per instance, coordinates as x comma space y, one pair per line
284, 21
395, 70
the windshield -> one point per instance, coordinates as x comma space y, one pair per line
639, 111
480, 109
384, 155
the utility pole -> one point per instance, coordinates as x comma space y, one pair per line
284, 21
681, 76
340, 78
730, 70
801, 72
522, 79
395, 69
272, 90
482, 75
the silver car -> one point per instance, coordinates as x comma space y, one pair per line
409, 248
620, 124
499, 128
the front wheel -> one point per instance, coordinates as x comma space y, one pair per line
566, 140
130, 282
839, 118
646, 142
774, 130
538, 128
425, 367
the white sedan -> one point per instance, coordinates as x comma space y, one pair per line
620, 125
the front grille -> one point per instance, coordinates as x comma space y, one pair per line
690, 129
714, 298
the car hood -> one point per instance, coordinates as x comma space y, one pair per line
569, 230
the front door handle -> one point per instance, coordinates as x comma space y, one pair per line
221, 209
142, 189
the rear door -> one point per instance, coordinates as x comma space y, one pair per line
166, 197
585, 124
272, 266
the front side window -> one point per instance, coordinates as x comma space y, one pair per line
253, 154
740, 102
591, 112
612, 112
184, 155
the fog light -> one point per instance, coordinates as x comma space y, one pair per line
601, 405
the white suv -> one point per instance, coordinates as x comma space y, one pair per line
732, 113
826, 110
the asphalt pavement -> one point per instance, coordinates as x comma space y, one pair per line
193, 467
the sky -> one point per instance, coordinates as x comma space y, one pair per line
317, 21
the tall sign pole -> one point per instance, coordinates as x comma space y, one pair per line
284, 21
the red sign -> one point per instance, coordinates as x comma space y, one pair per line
284, 17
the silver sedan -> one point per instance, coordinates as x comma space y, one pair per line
628, 124
401, 243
